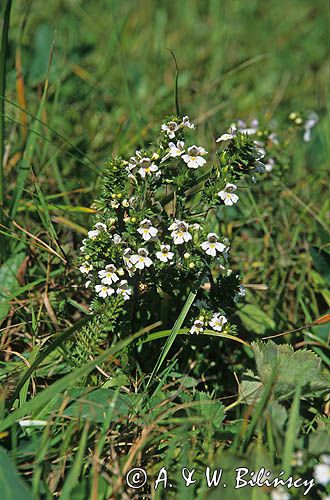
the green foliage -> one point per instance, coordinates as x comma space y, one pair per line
90, 338
301, 368
11, 484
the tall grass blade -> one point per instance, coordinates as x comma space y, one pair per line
260, 408
62, 337
173, 334
291, 433
3, 57
75, 471
62, 384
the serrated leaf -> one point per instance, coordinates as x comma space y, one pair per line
250, 388
301, 367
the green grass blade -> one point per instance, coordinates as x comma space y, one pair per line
29, 149
62, 384
43, 355
185, 331
3, 57
75, 470
173, 334
259, 408
291, 433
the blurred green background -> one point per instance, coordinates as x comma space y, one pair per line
111, 76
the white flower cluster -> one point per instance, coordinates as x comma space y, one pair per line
170, 128
216, 323
146, 166
251, 129
110, 283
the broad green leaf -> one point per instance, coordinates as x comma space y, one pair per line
250, 388
255, 320
93, 405
301, 367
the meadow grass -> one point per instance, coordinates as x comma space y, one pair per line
87, 80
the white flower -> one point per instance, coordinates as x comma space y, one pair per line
227, 194
170, 128
114, 204
116, 239
141, 259
261, 151
244, 129
195, 226
146, 167
87, 283
212, 246
225, 138
279, 493
100, 226
104, 291
269, 165
186, 122
108, 275
125, 203
134, 160
86, 268
312, 120
95, 232
198, 327
322, 470
217, 322
180, 233
176, 149
124, 290
194, 158
165, 255
228, 136
126, 256
147, 230
83, 248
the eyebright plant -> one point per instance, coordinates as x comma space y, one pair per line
153, 238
